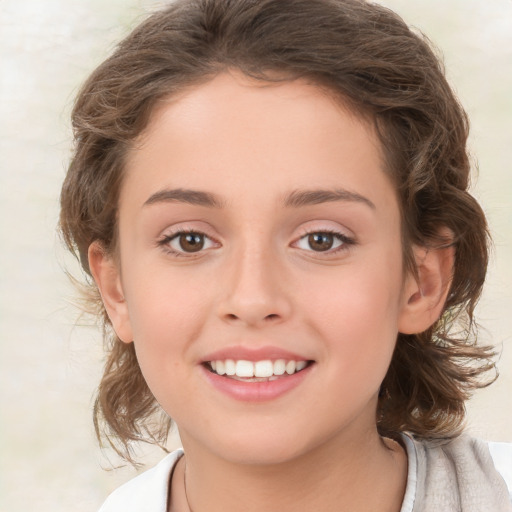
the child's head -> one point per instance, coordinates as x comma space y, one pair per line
287, 66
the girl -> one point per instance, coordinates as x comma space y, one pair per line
271, 200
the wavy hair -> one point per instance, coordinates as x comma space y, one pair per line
381, 69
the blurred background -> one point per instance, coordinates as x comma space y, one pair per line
50, 360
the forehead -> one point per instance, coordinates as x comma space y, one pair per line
271, 136
233, 96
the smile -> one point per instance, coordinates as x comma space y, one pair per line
254, 371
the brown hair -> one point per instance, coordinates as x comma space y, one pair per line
369, 57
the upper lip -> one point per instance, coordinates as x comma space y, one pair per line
238, 353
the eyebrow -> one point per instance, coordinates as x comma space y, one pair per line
295, 199
182, 195
299, 198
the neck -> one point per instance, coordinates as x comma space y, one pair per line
363, 473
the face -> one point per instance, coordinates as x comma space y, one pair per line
258, 232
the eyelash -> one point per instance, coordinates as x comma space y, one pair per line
165, 241
345, 240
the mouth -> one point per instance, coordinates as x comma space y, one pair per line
266, 370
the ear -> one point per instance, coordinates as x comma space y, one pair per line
424, 295
106, 274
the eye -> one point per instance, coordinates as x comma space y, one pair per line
323, 241
186, 242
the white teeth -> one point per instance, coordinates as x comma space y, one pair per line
259, 369
244, 369
279, 367
263, 369
229, 366
219, 367
300, 365
291, 367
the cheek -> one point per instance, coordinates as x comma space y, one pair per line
161, 300
357, 316
167, 318
167, 314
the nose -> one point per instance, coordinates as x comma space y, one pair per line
255, 292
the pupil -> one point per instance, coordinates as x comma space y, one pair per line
320, 241
191, 242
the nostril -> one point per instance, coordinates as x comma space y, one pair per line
271, 316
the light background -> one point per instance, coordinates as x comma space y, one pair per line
49, 367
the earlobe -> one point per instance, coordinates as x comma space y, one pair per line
106, 274
424, 295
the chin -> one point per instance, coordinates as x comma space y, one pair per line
266, 454
265, 447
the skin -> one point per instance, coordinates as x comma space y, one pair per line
258, 282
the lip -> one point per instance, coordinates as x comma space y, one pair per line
256, 391
253, 354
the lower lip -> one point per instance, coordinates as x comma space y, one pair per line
256, 391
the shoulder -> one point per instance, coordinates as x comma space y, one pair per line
147, 491
464, 473
501, 454
487, 457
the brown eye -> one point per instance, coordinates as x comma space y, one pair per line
320, 241
187, 243
324, 241
191, 242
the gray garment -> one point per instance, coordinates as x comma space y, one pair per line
456, 476
453, 476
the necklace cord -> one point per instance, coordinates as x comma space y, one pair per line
185, 486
